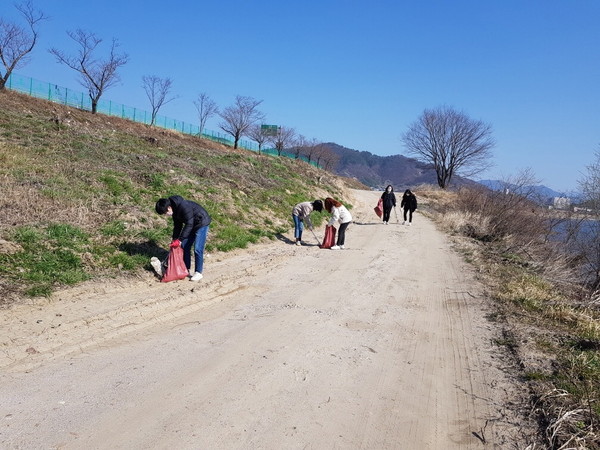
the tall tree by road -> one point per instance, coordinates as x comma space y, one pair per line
450, 141
238, 118
206, 108
157, 89
17, 42
96, 75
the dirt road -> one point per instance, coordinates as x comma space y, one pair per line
381, 345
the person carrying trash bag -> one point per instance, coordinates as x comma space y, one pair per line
388, 202
190, 229
341, 215
409, 203
301, 214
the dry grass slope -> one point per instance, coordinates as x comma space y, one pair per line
78, 193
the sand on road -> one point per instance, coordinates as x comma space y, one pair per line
382, 345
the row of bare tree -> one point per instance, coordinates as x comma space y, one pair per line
98, 74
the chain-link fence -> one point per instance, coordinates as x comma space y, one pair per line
76, 99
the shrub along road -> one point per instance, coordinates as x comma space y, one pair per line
382, 345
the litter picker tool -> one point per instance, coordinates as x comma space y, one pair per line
313, 233
396, 213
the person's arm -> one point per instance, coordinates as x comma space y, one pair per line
186, 223
308, 222
335, 216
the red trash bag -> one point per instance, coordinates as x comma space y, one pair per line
379, 208
176, 269
329, 238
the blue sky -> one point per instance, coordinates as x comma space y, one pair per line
358, 73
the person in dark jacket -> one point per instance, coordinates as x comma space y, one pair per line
389, 202
190, 229
409, 203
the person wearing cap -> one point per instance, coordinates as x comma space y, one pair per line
301, 214
190, 229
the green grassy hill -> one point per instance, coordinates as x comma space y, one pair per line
78, 194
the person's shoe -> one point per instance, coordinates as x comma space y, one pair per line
196, 277
298, 243
342, 247
335, 247
409, 224
156, 265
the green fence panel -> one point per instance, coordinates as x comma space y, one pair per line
77, 99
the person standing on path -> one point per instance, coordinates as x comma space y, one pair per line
300, 214
190, 229
409, 203
340, 214
389, 202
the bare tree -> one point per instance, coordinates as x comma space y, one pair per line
17, 42
299, 146
206, 108
587, 242
311, 149
238, 118
452, 142
260, 135
96, 75
328, 159
157, 89
284, 138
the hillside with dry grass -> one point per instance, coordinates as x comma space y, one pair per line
78, 194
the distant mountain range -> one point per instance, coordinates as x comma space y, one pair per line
379, 171
404, 173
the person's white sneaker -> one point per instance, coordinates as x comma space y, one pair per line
335, 247
156, 265
342, 247
298, 243
409, 224
196, 277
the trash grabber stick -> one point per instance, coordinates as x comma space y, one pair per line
396, 212
318, 241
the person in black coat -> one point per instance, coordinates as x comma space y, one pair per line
389, 202
190, 229
409, 203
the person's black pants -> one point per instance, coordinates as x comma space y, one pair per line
409, 212
342, 233
386, 214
